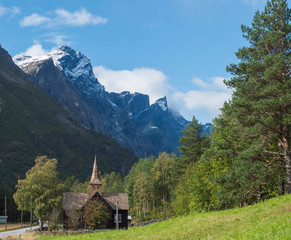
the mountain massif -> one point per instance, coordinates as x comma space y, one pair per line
67, 76
33, 124
54, 105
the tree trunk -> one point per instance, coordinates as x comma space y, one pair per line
288, 170
40, 224
281, 186
287, 158
48, 225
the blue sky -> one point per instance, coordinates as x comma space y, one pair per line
177, 48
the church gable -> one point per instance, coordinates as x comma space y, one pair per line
98, 196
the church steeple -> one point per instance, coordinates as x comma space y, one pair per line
95, 183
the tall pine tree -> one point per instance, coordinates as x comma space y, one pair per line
262, 84
193, 143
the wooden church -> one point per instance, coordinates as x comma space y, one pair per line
115, 202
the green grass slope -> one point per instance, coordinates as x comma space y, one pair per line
34, 124
266, 220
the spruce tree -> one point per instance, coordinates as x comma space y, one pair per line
262, 83
192, 142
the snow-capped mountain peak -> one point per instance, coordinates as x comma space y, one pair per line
75, 65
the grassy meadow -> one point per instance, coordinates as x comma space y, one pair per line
267, 220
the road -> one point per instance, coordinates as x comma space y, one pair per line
15, 232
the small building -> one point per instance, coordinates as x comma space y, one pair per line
2, 219
73, 201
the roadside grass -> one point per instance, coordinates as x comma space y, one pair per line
267, 220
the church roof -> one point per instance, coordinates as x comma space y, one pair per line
75, 200
122, 199
95, 179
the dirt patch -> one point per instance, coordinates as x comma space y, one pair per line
24, 236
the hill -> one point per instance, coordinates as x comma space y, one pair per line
33, 124
266, 220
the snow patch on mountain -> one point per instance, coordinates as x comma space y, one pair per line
162, 102
75, 65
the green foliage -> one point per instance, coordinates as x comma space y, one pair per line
54, 219
112, 182
42, 184
72, 184
96, 214
193, 144
238, 179
73, 218
143, 196
162, 173
267, 220
194, 191
142, 166
262, 101
12, 212
191, 175
150, 187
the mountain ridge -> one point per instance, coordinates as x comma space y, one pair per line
127, 117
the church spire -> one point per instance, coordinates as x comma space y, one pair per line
95, 183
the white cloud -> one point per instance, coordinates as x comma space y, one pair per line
2, 10
14, 11
78, 18
198, 82
34, 20
253, 2
61, 17
208, 100
205, 101
36, 50
215, 83
57, 39
144, 80
10, 11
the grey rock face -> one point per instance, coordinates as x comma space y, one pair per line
68, 76
132, 104
52, 81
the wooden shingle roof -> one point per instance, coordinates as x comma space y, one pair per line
122, 199
75, 201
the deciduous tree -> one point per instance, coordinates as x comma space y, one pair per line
42, 184
96, 214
